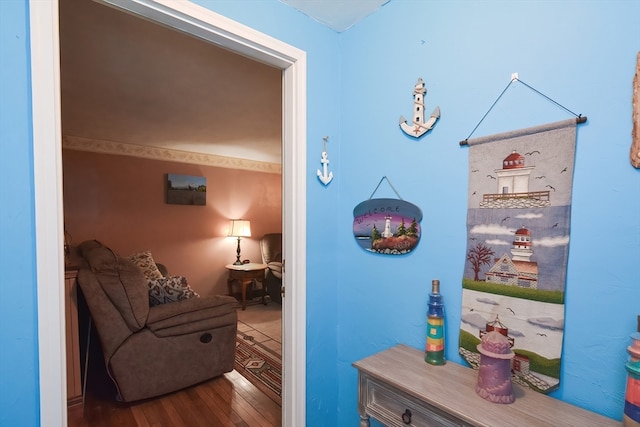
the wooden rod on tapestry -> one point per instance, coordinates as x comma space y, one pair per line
580, 119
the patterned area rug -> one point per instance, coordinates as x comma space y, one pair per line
256, 363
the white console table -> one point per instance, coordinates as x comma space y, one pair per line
398, 388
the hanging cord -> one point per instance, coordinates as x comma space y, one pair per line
391, 185
545, 96
579, 117
489, 110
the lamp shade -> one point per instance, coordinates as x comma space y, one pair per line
240, 228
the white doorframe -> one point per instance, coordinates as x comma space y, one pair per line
47, 149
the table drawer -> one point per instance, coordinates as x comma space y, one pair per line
388, 405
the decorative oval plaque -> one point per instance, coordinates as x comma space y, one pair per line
387, 226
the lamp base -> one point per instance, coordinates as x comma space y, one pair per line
238, 262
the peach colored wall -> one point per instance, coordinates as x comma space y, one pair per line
120, 200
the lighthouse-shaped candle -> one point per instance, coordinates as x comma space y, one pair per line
494, 374
632, 397
435, 327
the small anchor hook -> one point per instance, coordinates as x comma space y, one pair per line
325, 176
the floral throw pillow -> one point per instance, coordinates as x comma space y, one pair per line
169, 289
145, 261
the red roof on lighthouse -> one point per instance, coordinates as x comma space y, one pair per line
513, 161
523, 231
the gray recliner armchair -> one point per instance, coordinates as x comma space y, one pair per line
271, 249
149, 351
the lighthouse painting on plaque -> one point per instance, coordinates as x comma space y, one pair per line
387, 226
518, 221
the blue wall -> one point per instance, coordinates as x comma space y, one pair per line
581, 54
19, 398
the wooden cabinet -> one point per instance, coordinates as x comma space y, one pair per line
398, 388
74, 379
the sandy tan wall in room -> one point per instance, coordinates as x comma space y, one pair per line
120, 200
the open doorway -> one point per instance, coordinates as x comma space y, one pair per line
209, 26
139, 99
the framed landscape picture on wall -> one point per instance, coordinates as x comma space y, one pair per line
186, 190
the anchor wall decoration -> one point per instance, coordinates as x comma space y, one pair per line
325, 176
419, 126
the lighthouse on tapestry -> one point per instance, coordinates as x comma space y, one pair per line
518, 270
521, 250
514, 175
513, 182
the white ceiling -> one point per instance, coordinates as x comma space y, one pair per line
339, 15
128, 81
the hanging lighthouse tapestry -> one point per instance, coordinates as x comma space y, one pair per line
518, 218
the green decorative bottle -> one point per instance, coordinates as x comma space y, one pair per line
435, 327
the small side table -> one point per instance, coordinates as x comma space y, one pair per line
246, 274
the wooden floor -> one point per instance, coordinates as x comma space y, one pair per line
228, 400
